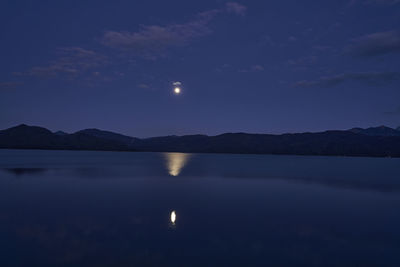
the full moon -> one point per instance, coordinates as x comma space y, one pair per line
177, 87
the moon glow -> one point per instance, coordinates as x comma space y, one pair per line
173, 217
177, 87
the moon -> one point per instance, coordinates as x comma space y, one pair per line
177, 87
177, 90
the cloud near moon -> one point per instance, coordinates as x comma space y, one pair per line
177, 87
177, 83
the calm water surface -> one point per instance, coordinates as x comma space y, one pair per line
78, 208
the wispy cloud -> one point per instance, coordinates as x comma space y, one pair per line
393, 112
373, 2
322, 48
375, 44
385, 2
10, 85
302, 62
223, 68
153, 41
144, 86
72, 61
368, 78
253, 68
236, 8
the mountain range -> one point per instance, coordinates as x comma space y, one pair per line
376, 141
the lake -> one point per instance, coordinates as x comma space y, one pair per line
85, 208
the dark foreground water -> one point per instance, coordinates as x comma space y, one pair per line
67, 208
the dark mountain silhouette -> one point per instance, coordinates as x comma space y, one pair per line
398, 128
60, 133
32, 137
325, 143
377, 131
377, 142
106, 135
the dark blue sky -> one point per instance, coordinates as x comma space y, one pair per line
249, 66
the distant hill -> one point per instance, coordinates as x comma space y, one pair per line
60, 133
324, 143
106, 135
377, 142
32, 137
377, 131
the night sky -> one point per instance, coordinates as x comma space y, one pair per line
251, 66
